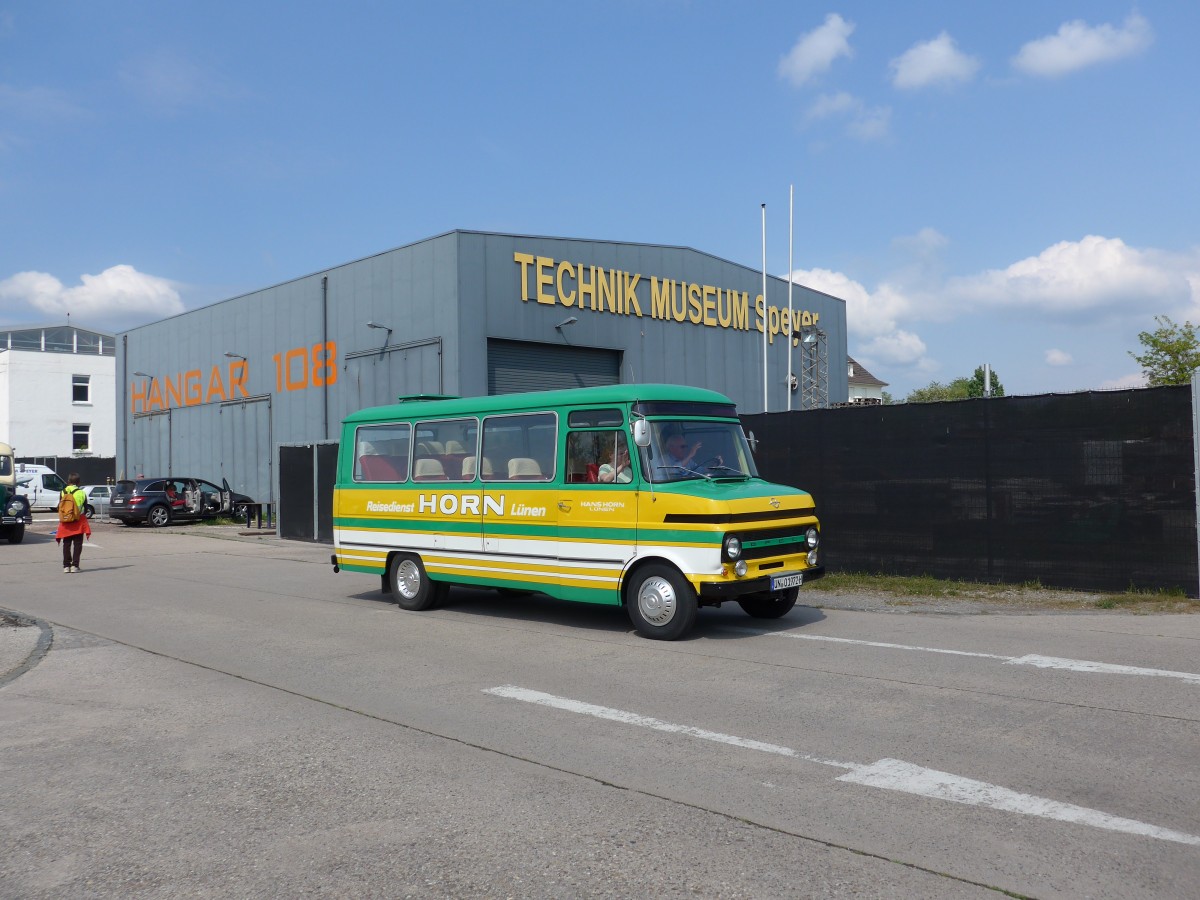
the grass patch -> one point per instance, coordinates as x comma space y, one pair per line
913, 591
1164, 600
902, 585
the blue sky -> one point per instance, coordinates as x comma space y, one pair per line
1004, 182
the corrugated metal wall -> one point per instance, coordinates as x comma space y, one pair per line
228, 384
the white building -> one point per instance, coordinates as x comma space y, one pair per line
864, 388
58, 391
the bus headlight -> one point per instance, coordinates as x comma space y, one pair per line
812, 558
739, 568
812, 536
732, 547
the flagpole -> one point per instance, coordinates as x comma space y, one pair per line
791, 324
764, 295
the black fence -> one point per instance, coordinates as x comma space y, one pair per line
1093, 491
91, 469
306, 476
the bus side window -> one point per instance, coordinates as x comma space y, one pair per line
530, 437
381, 453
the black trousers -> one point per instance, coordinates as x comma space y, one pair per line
72, 547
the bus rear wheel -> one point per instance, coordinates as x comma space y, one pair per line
411, 585
661, 603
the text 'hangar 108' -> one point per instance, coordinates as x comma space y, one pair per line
214, 391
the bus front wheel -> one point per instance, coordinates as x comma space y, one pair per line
660, 602
411, 585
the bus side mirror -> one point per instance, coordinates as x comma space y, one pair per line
752, 441
641, 432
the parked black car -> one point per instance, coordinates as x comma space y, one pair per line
161, 501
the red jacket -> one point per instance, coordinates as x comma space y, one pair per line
80, 525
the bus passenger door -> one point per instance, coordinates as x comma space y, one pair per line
520, 537
597, 516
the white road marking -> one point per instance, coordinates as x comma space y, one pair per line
629, 718
886, 774
1041, 662
897, 775
1083, 665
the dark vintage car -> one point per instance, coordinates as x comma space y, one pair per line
161, 501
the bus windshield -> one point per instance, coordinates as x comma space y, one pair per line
682, 449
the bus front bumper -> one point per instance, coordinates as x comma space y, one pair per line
731, 590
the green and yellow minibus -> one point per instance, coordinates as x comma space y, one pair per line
643, 496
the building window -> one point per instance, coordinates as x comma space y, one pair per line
81, 388
81, 436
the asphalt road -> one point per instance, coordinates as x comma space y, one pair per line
230, 718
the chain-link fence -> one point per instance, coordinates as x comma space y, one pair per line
1094, 491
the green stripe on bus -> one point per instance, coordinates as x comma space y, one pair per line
774, 542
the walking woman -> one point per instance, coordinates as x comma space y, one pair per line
71, 531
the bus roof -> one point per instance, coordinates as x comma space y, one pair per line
590, 396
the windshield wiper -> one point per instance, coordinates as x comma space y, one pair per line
737, 472
685, 469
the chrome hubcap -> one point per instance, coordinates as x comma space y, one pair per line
656, 601
408, 579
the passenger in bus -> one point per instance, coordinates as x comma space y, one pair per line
619, 470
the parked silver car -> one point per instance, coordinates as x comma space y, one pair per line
98, 496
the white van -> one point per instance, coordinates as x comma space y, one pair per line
40, 485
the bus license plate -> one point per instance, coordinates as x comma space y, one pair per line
782, 582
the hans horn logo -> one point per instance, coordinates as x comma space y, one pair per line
774, 503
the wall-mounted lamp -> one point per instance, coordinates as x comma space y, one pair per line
377, 325
570, 320
236, 356
144, 374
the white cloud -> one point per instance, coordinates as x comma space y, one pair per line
872, 124
873, 318
1056, 357
1136, 380
863, 122
900, 348
933, 62
925, 242
1077, 45
817, 50
834, 104
1073, 278
115, 299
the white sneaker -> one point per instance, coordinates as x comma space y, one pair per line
66, 569
74, 569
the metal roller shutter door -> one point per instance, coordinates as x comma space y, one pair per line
514, 366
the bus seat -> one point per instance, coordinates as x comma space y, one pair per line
436, 447
524, 468
468, 467
428, 470
454, 447
378, 468
593, 473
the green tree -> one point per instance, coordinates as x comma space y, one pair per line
958, 389
975, 385
1172, 353
935, 391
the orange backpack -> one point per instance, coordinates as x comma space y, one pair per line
68, 509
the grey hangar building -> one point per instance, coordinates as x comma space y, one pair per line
253, 389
